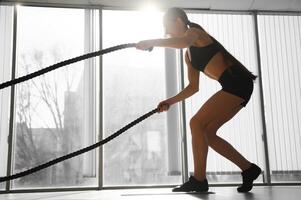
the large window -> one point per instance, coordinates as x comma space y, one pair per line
134, 83
244, 131
56, 113
280, 49
59, 112
6, 33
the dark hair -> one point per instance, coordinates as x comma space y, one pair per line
173, 13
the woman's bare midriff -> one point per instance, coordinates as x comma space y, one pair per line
216, 66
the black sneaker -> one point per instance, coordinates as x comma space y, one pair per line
248, 176
192, 185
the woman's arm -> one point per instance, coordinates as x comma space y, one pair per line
188, 91
187, 40
175, 42
192, 87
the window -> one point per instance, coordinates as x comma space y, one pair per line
134, 83
280, 49
244, 131
6, 32
56, 112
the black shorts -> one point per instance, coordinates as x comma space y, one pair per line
238, 82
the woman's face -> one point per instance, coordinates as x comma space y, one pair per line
174, 28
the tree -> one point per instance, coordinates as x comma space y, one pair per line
35, 98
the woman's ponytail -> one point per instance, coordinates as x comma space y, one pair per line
194, 25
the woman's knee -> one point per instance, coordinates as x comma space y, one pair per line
211, 138
197, 125
210, 132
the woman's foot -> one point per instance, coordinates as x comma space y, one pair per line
192, 185
248, 176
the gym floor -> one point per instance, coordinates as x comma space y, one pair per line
215, 193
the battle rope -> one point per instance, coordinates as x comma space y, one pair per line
66, 62
89, 148
81, 151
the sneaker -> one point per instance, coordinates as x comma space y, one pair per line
192, 185
248, 176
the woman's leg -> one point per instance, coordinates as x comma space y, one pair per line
225, 113
199, 149
219, 109
225, 149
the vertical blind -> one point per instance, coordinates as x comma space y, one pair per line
280, 49
236, 33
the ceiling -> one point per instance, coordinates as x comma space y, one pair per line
244, 5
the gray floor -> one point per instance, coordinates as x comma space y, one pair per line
216, 193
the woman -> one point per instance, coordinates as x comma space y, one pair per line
206, 54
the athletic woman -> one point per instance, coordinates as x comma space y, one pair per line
205, 54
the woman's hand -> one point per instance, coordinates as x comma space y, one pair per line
144, 45
164, 106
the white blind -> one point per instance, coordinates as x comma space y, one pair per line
236, 33
280, 48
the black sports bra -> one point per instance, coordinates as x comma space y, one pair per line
200, 56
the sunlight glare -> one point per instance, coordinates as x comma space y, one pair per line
150, 19
18, 6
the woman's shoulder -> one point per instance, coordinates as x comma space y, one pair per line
194, 30
203, 38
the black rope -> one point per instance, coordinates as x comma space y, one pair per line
81, 151
89, 148
64, 63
